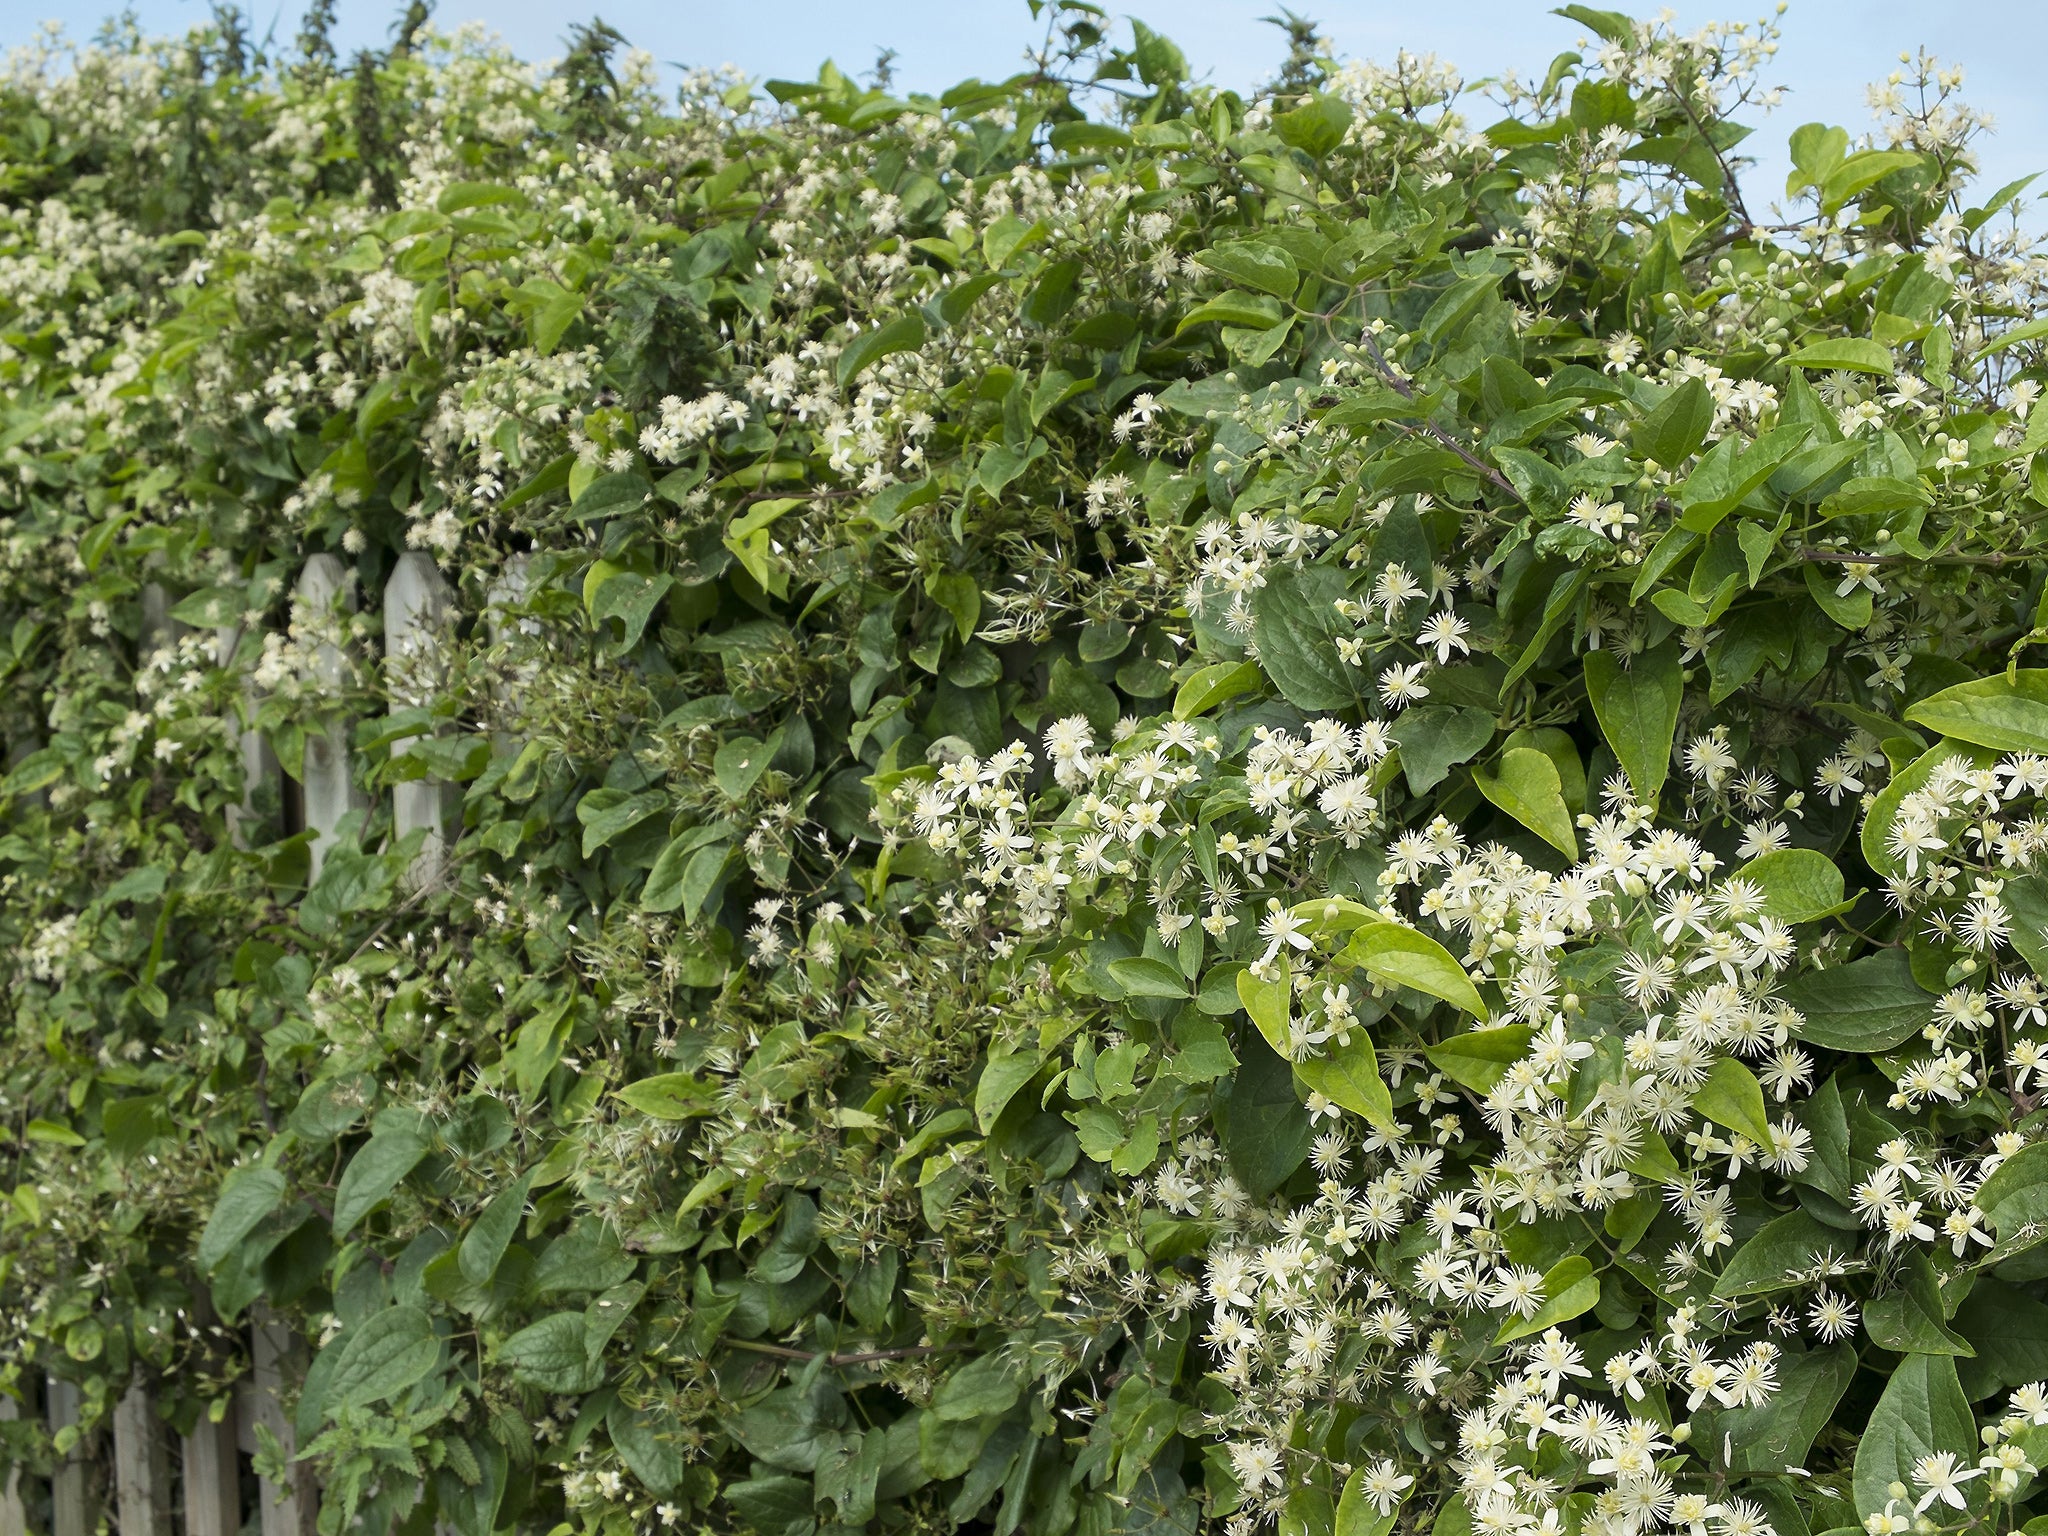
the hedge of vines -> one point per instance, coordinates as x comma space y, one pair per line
1317, 811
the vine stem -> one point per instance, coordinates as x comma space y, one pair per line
1406, 390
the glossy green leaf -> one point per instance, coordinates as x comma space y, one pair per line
1798, 884
2008, 713
1526, 785
1401, 957
1348, 1075
1922, 1412
1732, 1097
1868, 1005
1637, 708
1570, 1289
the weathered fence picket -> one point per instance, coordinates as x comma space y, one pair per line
73, 1505
13, 1508
276, 1358
212, 1479
415, 617
142, 1465
329, 781
195, 1486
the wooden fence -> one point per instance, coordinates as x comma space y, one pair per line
133, 1478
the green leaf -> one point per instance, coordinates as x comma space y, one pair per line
247, 1195
609, 495
1073, 137
608, 813
1077, 691
670, 879
2009, 1329
484, 1244
1867, 1006
382, 1356
1214, 685
2026, 899
1397, 956
1358, 1515
988, 1384
1783, 1253
960, 595
1732, 1097
1559, 608
52, 1133
212, 607
539, 1044
1638, 713
739, 763
1001, 1078
794, 1428
1909, 1318
903, 334
671, 1096
1142, 976
458, 195
1480, 1058
1296, 625
1526, 785
1775, 1434
2014, 1198
1873, 496
1349, 1077
1269, 1002
1255, 311
551, 476
551, 1355
551, 318
1255, 264
1435, 738
701, 877
1855, 354
1877, 821
1860, 172
1009, 235
649, 1444
1799, 884
1922, 1411
2006, 713
1570, 1290
392, 1152
2031, 330
1316, 128
1672, 432
1816, 149
1266, 1133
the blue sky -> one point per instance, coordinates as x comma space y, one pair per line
1831, 48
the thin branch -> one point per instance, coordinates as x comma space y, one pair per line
1406, 391
1729, 183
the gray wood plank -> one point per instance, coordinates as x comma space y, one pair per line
142, 1465
290, 1509
13, 1512
415, 615
213, 1483
329, 782
73, 1506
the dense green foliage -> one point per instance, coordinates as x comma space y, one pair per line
1174, 810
